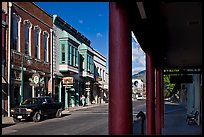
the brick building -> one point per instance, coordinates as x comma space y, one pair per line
27, 51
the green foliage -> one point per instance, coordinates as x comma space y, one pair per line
170, 88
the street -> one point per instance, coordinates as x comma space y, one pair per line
89, 121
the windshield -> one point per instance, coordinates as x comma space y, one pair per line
30, 101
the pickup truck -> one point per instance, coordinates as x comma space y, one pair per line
37, 107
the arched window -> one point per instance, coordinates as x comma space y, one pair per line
45, 38
16, 19
27, 32
37, 41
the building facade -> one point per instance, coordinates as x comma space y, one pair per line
27, 51
3, 51
44, 55
137, 89
100, 88
73, 62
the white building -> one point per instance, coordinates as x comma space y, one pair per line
100, 86
137, 89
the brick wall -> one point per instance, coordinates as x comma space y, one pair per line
29, 11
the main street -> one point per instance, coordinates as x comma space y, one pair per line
89, 121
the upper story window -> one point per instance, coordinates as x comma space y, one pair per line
45, 38
104, 75
16, 32
100, 72
37, 41
73, 55
97, 73
63, 53
3, 41
27, 32
76, 55
90, 64
70, 55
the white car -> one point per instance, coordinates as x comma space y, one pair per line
139, 97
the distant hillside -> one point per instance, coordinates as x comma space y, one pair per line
140, 75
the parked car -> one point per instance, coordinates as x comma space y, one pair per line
139, 96
36, 108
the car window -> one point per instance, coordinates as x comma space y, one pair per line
30, 101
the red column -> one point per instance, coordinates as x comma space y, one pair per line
158, 100
162, 99
150, 95
120, 71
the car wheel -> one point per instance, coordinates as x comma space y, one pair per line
36, 117
16, 120
59, 113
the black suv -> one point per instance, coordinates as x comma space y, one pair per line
36, 108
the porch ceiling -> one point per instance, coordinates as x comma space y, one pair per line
171, 30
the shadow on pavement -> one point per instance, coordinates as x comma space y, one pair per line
6, 125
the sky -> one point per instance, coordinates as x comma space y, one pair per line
92, 19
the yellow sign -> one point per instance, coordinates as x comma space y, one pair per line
98, 78
68, 81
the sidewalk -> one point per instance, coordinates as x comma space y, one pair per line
175, 124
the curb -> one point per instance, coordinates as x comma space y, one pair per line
7, 120
66, 111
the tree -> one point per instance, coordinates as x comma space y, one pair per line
170, 89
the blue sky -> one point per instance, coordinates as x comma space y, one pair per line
91, 19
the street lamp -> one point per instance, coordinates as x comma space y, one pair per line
22, 74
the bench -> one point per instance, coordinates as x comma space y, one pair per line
192, 117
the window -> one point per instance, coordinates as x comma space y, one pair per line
76, 54
88, 63
37, 42
73, 56
97, 71
104, 75
27, 28
63, 53
70, 55
3, 40
45, 46
15, 35
92, 65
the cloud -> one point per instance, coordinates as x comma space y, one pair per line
81, 21
100, 15
98, 35
138, 57
138, 54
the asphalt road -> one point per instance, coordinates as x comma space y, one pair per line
90, 121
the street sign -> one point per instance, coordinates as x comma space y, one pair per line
35, 80
68, 81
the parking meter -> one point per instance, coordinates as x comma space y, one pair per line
141, 115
